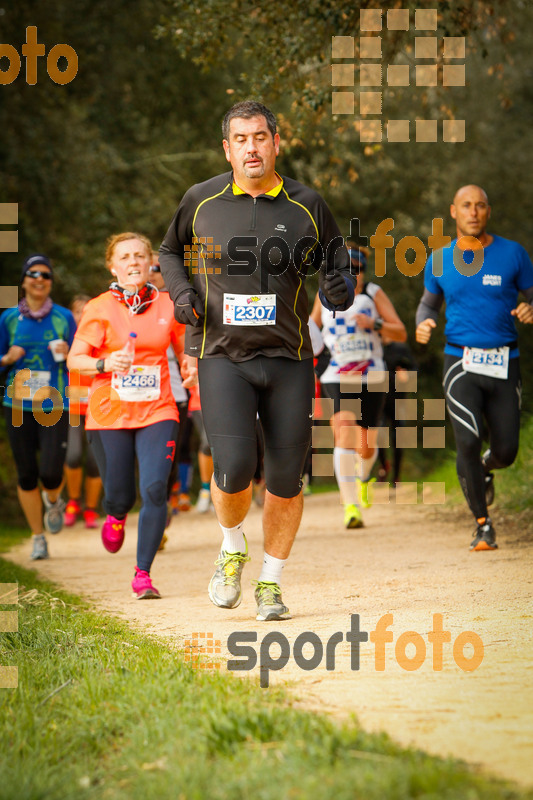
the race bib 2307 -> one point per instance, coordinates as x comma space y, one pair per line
249, 309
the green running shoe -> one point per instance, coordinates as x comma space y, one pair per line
225, 585
366, 502
269, 602
353, 517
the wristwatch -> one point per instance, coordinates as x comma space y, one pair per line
100, 365
378, 324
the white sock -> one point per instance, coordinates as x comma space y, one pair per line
344, 464
233, 541
367, 464
271, 570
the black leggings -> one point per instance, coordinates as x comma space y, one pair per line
76, 437
115, 452
32, 438
471, 398
281, 391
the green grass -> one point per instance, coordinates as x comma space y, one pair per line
104, 712
513, 485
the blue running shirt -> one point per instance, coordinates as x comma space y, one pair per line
478, 307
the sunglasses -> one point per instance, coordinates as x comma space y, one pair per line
155, 268
37, 273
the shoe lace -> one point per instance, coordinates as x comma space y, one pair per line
230, 563
268, 593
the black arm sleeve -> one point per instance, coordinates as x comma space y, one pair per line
429, 306
171, 252
334, 250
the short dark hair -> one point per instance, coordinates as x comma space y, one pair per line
247, 109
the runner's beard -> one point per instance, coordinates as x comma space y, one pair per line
254, 172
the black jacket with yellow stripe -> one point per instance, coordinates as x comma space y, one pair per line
226, 243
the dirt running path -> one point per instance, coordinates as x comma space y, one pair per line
410, 561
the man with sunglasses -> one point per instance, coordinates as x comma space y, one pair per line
35, 401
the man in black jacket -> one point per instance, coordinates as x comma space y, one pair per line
235, 259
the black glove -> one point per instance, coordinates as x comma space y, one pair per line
333, 287
189, 309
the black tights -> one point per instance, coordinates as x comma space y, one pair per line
471, 399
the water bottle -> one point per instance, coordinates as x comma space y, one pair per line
129, 347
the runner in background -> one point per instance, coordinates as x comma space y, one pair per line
399, 361
181, 396
132, 413
205, 459
353, 339
479, 275
77, 445
35, 337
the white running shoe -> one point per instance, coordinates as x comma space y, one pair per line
204, 504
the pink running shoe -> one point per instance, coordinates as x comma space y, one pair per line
142, 586
72, 512
91, 518
113, 533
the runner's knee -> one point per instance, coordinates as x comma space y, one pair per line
235, 467
119, 504
157, 492
27, 483
283, 470
51, 480
504, 455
